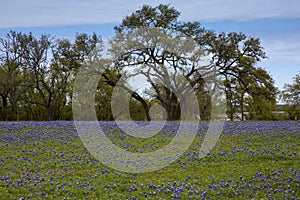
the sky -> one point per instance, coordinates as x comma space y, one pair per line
275, 22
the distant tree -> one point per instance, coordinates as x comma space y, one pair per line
291, 94
86, 49
235, 54
263, 92
53, 76
254, 90
14, 77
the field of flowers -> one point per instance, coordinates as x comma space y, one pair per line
252, 160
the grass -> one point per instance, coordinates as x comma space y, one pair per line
49, 161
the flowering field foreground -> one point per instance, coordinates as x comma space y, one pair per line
252, 160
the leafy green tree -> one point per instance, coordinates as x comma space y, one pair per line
69, 57
46, 78
254, 86
53, 77
291, 94
14, 78
260, 108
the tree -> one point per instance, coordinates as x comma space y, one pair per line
44, 75
14, 78
253, 88
85, 50
291, 94
229, 53
53, 77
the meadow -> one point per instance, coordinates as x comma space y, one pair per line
251, 160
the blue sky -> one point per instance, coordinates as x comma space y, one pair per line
275, 22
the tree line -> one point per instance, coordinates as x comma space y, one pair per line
37, 74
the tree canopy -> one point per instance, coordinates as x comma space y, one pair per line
231, 55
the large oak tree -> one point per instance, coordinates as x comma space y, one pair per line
229, 55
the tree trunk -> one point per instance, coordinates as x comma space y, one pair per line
137, 97
134, 94
17, 112
50, 113
4, 104
172, 107
231, 112
242, 106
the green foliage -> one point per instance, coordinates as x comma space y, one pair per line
294, 112
34, 87
260, 109
291, 95
162, 16
234, 56
136, 110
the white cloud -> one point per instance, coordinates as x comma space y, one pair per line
242, 10
284, 58
285, 48
21, 13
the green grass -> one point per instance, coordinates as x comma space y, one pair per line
57, 170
